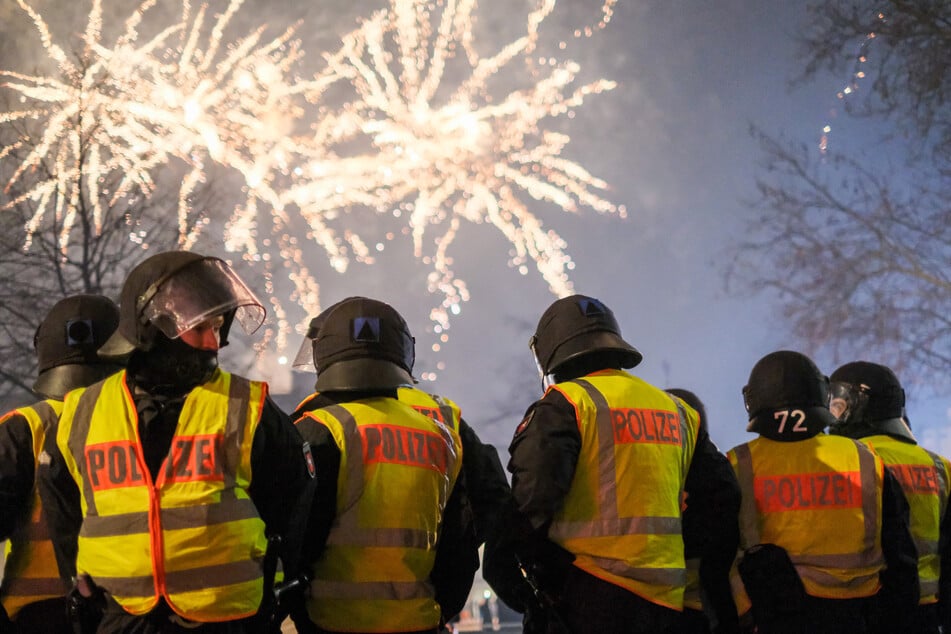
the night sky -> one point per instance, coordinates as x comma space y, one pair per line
672, 140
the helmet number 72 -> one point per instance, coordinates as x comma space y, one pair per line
798, 416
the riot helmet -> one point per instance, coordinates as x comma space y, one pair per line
868, 399
172, 292
577, 326
66, 342
363, 344
787, 396
693, 401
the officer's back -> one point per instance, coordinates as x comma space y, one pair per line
823, 526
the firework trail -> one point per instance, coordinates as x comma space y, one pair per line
448, 151
406, 138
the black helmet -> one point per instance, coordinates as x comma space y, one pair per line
574, 326
174, 291
66, 342
787, 381
693, 401
868, 399
363, 344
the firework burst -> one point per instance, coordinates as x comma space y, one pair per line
401, 134
448, 151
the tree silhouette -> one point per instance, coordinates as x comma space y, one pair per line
856, 247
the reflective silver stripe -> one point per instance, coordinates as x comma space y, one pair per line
112, 525
445, 409
749, 517
384, 537
48, 417
212, 576
132, 587
849, 561
606, 527
34, 587
239, 395
353, 450
607, 470
942, 482
926, 547
825, 579
78, 433
395, 590
870, 494
655, 576
207, 515
928, 588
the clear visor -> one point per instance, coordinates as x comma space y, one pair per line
198, 292
547, 379
304, 361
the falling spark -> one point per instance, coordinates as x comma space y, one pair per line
409, 139
447, 151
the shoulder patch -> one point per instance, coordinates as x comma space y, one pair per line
525, 423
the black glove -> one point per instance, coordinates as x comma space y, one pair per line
86, 603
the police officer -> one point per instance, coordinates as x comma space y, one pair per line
599, 466
485, 482
32, 593
387, 481
166, 478
869, 404
823, 525
704, 610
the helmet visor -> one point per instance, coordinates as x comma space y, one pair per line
198, 292
847, 401
547, 379
304, 361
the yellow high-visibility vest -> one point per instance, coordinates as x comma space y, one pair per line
193, 536
397, 469
924, 477
821, 500
30, 572
621, 517
438, 408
